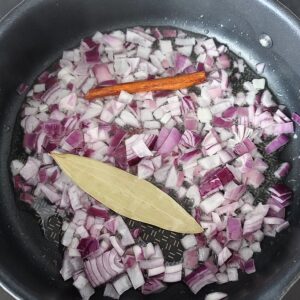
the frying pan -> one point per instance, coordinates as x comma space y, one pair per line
33, 36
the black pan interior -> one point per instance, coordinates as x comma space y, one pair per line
34, 35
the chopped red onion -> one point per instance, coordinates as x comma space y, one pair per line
260, 68
50, 192
255, 247
122, 284
110, 291
136, 277
124, 231
188, 241
139, 146
87, 246
223, 256
282, 170
190, 258
153, 286
129, 261
148, 251
30, 169
250, 266
173, 277
212, 202
234, 229
282, 226
15, 167
138, 253
169, 142
173, 268
152, 263
277, 143
158, 253
215, 246
296, 118
22, 88
280, 190
117, 245
86, 292
80, 282
215, 296
245, 253
203, 254
232, 274
155, 271
202, 146
199, 278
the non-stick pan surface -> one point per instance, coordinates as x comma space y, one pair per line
34, 35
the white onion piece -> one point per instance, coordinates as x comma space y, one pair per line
152, 263
203, 253
259, 84
172, 277
232, 274
255, 247
211, 203
148, 251
16, 167
223, 256
222, 278
117, 245
122, 284
30, 169
158, 252
80, 282
86, 292
156, 271
215, 296
215, 246
138, 252
173, 268
136, 276
110, 291
188, 241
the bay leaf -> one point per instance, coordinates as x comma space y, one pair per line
126, 194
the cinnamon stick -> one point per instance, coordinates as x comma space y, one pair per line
160, 84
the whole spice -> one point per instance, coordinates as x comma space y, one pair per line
160, 84
126, 194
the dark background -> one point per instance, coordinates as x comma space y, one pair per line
293, 5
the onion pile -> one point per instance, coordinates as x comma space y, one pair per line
204, 144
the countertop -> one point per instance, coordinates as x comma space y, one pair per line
294, 5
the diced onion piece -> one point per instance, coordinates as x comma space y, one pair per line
188, 241
122, 284
215, 296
